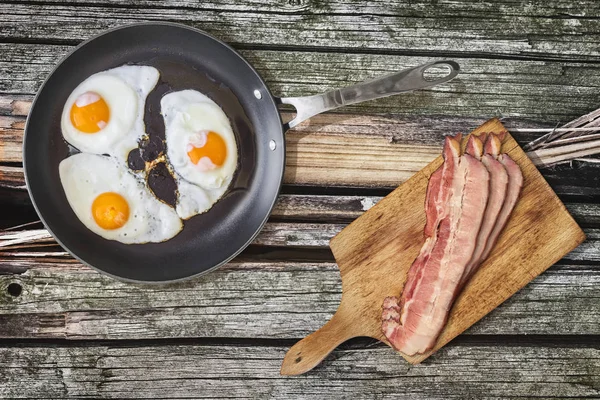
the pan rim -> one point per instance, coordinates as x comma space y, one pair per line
271, 98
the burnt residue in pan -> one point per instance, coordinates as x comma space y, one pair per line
162, 184
135, 161
151, 146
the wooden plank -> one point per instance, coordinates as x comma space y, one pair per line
413, 131
346, 208
12, 178
350, 166
221, 371
11, 139
291, 235
60, 298
311, 159
516, 33
352, 161
484, 88
323, 208
15, 104
578, 179
338, 150
585, 214
418, 8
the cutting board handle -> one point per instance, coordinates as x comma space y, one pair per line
311, 350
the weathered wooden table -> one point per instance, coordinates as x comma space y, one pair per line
69, 332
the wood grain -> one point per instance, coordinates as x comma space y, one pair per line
282, 299
418, 8
533, 61
531, 89
373, 249
337, 150
177, 371
282, 234
555, 31
12, 178
561, 301
330, 208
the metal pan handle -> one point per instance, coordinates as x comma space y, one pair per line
403, 81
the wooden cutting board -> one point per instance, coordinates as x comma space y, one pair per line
375, 252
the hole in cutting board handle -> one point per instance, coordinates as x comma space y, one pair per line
14, 289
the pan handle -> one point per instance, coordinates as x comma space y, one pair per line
403, 81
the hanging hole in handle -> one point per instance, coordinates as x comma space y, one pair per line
436, 72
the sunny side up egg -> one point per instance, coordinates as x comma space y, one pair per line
113, 203
105, 113
201, 149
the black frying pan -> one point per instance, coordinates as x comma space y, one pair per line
187, 59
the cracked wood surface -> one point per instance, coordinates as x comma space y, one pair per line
225, 334
352, 150
293, 298
276, 234
63, 299
237, 371
515, 29
533, 89
312, 220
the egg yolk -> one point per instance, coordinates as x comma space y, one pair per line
110, 210
214, 148
89, 113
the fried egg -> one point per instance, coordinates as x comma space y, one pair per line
201, 146
193, 200
111, 202
105, 113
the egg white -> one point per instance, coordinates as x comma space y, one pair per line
186, 113
193, 200
85, 176
124, 89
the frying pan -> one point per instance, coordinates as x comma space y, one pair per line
187, 59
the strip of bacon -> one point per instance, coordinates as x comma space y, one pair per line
498, 187
431, 200
413, 323
475, 145
438, 193
515, 183
493, 144
438, 188
439, 184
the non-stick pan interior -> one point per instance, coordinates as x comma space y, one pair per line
187, 59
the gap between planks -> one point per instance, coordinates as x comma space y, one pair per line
322, 217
